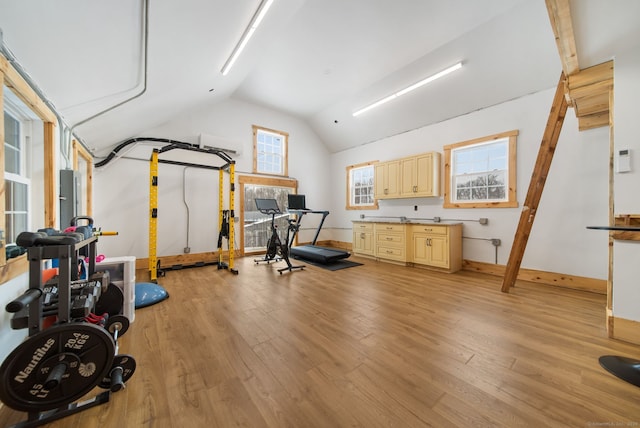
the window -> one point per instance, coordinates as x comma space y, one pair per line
16, 178
360, 187
269, 151
32, 154
255, 230
481, 172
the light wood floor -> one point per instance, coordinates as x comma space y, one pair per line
371, 346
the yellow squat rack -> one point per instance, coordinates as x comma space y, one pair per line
225, 218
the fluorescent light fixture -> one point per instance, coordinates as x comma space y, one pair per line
409, 88
255, 21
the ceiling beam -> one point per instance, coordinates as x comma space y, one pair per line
21, 88
560, 17
587, 91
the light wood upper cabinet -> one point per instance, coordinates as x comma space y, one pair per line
387, 180
420, 176
410, 177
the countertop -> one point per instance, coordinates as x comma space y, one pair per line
408, 221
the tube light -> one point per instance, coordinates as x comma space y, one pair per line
410, 88
251, 28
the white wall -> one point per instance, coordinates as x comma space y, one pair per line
122, 187
575, 196
626, 279
8, 337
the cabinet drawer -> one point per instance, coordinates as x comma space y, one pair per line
363, 227
388, 227
390, 252
391, 239
427, 228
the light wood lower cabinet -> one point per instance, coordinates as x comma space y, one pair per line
363, 242
426, 245
391, 241
437, 246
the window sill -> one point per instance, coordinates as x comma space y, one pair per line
14, 268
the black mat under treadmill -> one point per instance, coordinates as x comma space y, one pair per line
318, 254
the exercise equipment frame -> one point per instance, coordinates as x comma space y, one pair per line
155, 269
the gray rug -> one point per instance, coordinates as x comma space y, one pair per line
340, 264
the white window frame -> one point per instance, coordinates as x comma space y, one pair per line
353, 189
481, 165
268, 155
23, 175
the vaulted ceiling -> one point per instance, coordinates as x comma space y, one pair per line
319, 60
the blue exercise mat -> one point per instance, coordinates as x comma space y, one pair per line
148, 293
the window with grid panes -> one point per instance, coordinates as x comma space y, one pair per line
270, 151
360, 186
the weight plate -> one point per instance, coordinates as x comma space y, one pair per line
111, 301
85, 350
119, 322
128, 365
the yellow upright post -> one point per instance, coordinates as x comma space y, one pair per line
221, 213
153, 216
232, 202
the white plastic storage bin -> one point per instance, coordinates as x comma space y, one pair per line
122, 273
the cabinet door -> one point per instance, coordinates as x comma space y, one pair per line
419, 176
423, 183
393, 184
363, 243
420, 252
438, 251
387, 180
432, 250
408, 177
381, 181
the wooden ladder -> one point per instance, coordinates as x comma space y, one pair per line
536, 185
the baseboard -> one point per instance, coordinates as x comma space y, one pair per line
185, 259
575, 282
581, 283
624, 329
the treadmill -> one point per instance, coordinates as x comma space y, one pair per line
313, 253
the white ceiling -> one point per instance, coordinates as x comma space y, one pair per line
319, 60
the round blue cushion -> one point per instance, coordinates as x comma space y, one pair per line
148, 293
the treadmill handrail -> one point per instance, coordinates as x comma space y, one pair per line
300, 214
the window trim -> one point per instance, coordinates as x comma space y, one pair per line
285, 151
259, 181
12, 80
80, 152
349, 168
512, 201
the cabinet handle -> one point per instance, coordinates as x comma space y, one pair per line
415, 189
389, 238
362, 236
